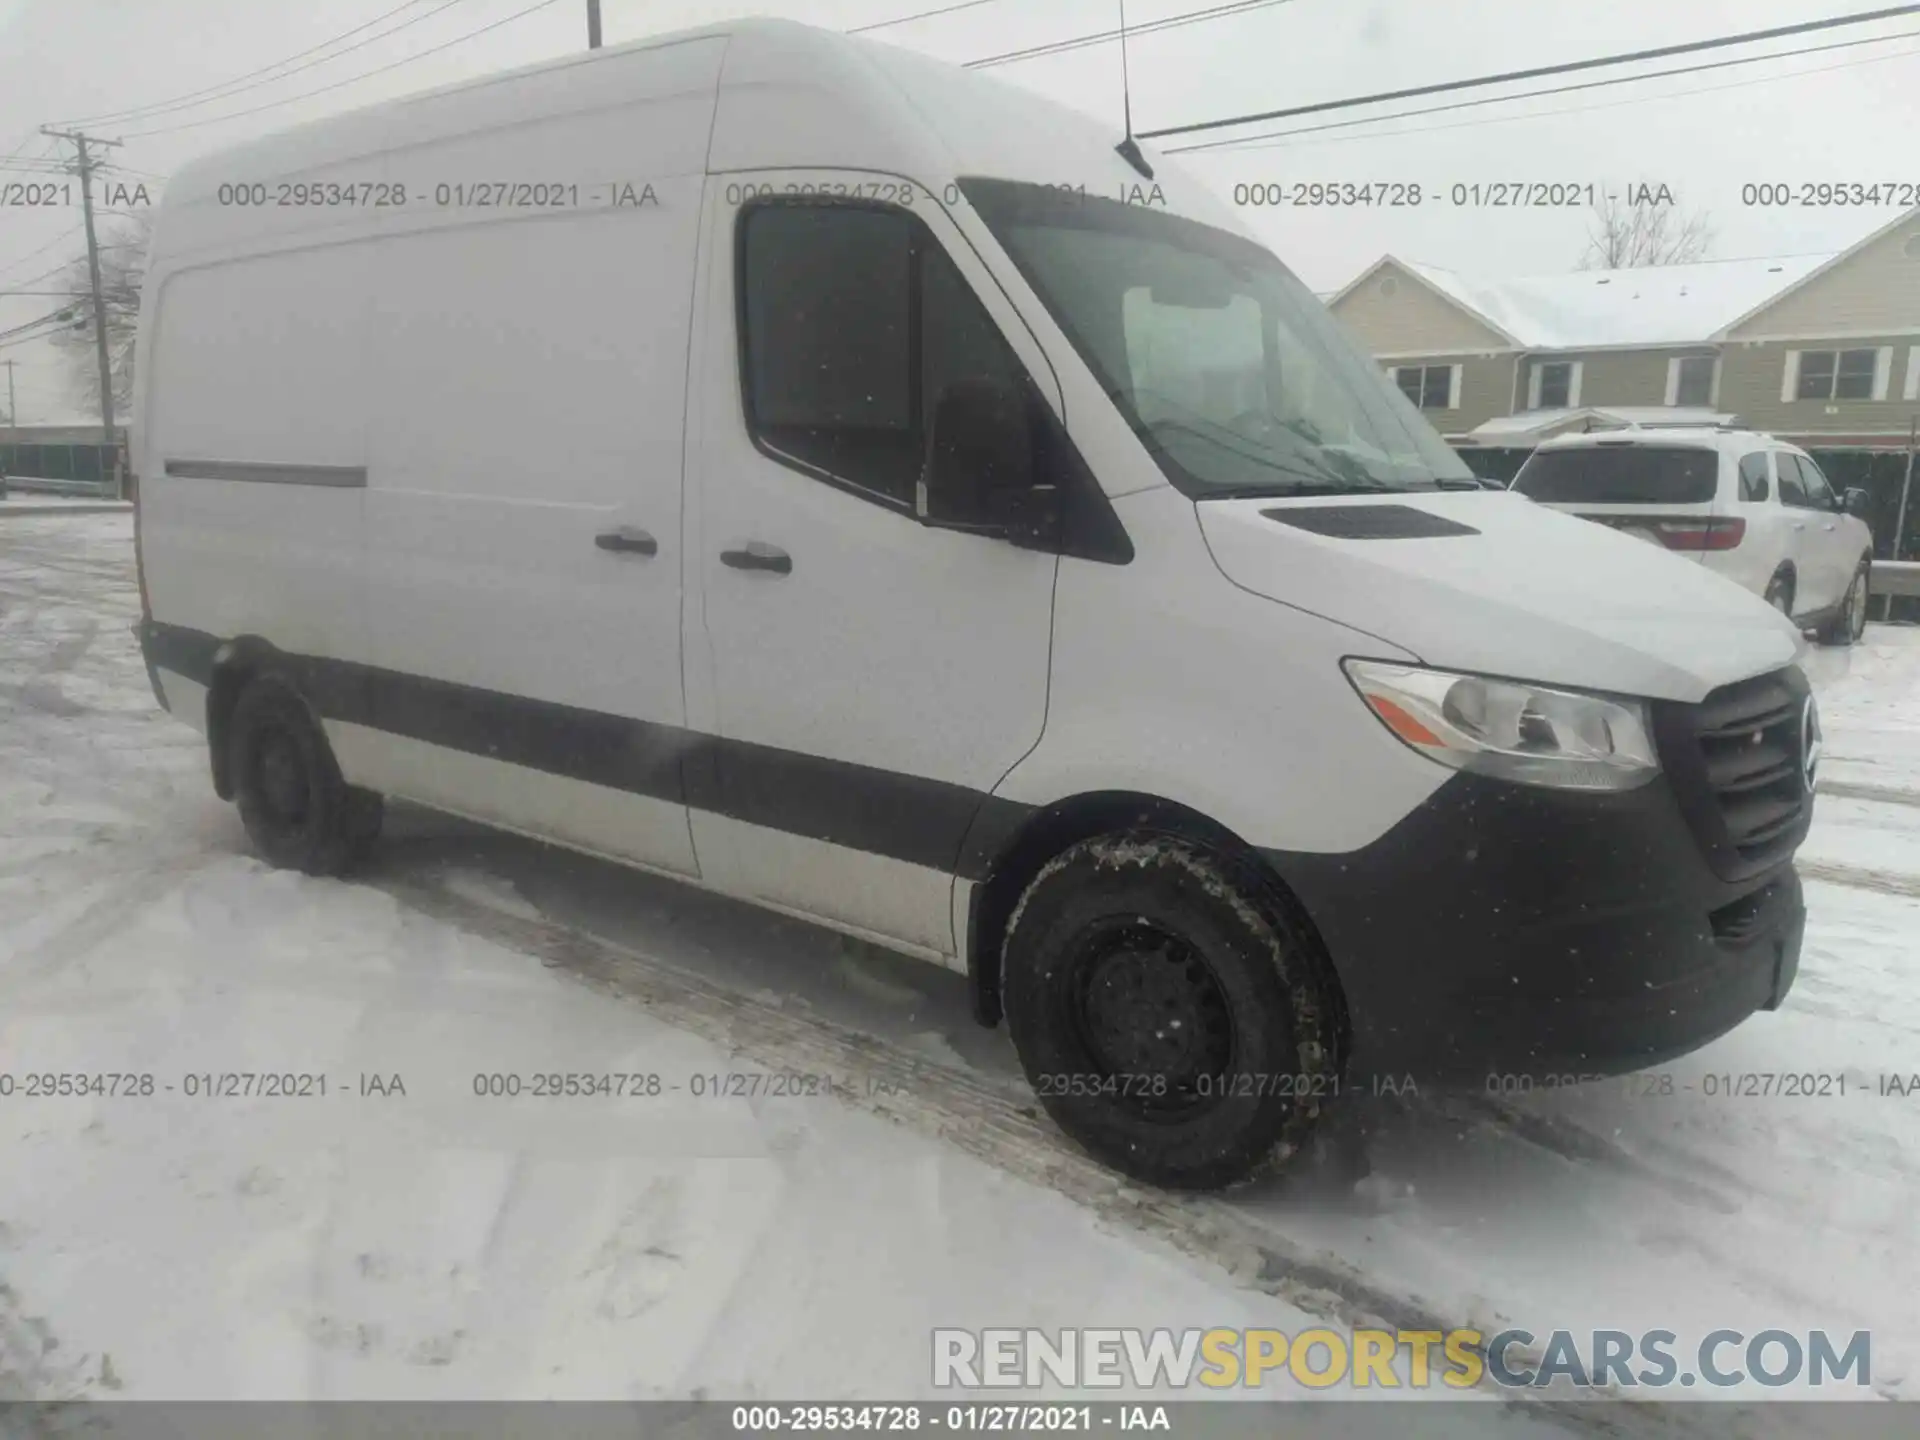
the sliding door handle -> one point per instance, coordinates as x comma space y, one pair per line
627, 540
758, 555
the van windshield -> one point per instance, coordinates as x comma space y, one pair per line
1236, 378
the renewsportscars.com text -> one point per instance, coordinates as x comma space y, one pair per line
1395, 1359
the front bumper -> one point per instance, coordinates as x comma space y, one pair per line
1503, 929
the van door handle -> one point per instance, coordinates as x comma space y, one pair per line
628, 540
759, 556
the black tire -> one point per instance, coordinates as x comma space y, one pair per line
299, 812
1145, 925
1850, 624
1780, 593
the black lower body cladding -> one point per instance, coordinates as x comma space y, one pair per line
1503, 929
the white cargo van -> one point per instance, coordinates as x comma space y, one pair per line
849, 483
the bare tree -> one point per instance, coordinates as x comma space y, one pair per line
123, 264
1643, 227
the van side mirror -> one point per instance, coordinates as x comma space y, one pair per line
980, 472
1856, 502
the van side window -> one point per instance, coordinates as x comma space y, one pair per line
853, 322
1753, 476
1793, 489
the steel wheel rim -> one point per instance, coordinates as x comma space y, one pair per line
280, 779
1151, 1017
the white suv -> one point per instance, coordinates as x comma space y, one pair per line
1745, 504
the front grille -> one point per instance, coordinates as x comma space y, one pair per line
1736, 762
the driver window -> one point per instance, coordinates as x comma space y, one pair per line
1819, 493
853, 322
1793, 489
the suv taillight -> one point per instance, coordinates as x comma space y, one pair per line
1713, 533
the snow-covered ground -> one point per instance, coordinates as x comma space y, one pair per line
18, 501
439, 1244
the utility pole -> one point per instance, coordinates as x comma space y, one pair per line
1906, 488
85, 167
13, 426
593, 24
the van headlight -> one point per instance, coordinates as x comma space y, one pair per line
1525, 733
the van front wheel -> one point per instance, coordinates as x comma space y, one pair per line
1170, 1017
299, 812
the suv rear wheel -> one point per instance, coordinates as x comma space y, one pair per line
1780, 593
1850, 623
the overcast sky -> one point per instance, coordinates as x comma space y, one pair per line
1849, 114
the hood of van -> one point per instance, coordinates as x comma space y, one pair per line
1489, 582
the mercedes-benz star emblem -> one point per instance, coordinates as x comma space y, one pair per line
1809, 742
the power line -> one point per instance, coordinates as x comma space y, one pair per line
1079, 42
350, 80
154, 111
55, 270
920, 15
134, 170
78, 226
1252, 142
61, 316
215, 91
1536, 72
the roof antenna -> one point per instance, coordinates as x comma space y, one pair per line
1129, 148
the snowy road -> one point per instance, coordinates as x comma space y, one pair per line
439, 1244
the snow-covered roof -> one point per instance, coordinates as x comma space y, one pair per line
1531, 426
1601, 309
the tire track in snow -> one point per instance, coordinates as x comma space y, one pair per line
1005, 1129
125, 894
1860, 877
1859, 790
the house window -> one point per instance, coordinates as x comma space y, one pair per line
1836, 375
1428, 386
1693, 380
1555, 385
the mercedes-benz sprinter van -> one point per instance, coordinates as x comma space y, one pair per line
786, 463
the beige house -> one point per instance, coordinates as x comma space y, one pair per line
1820, 349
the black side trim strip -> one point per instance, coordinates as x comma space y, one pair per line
883, 812
340, 477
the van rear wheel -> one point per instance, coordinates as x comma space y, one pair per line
298, 811
1171, 1018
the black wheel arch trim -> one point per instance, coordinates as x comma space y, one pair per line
1010, 843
